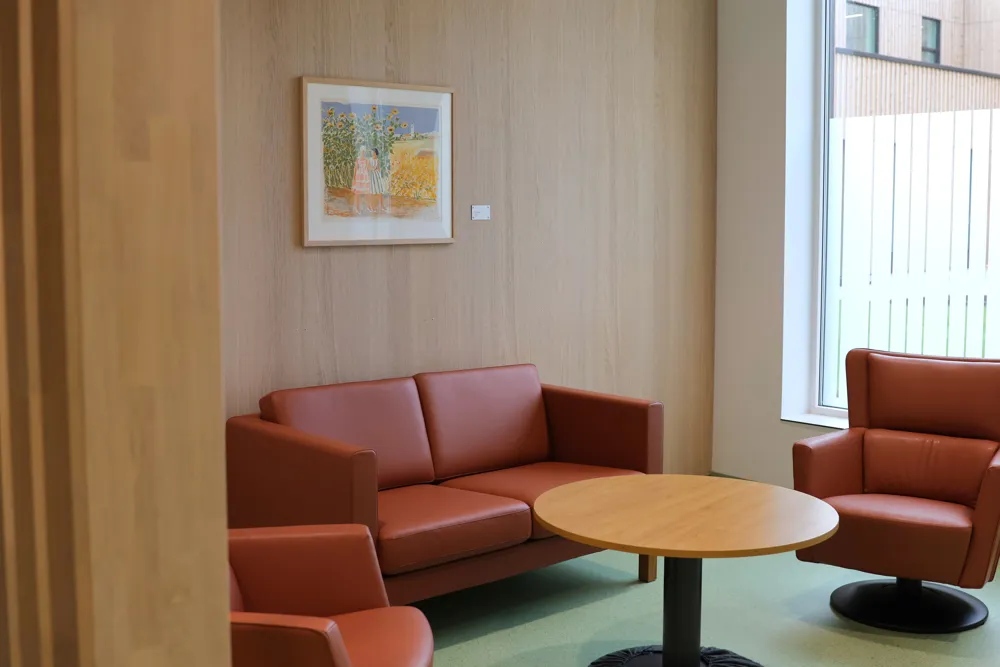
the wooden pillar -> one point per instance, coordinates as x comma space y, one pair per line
112, 514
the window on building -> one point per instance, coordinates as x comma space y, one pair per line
910, 239
931, 44
862, 27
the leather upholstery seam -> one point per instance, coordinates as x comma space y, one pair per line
455, 525
456, 556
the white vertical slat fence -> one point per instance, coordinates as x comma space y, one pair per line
912, 239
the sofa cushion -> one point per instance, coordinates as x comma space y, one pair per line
937, 467
484, 419
898, 536
383, 415
424, 525
526, 483
396, 636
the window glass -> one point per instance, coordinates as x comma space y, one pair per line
931, 41
862, 27
911, 236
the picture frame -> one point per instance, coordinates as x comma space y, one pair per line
378, 163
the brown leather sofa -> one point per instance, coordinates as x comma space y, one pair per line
443, 468
312, 596
916, 481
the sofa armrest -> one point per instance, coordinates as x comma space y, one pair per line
984, 549
274, 640
830, 465
280, 476
604, 430
307, 570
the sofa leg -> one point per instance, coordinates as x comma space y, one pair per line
647, 569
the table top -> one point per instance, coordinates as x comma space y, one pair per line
686, 516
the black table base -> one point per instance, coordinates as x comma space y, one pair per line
681, 627
652, 656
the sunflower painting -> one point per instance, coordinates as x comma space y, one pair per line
378, 164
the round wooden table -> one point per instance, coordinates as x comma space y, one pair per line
684, 518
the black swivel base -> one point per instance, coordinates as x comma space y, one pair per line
909, 605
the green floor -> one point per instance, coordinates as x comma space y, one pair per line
772, 609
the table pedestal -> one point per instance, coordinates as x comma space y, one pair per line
681, 627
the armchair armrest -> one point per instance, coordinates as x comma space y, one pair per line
274, 640
830, 465
280, 476
307, 570
984, 549
604, 430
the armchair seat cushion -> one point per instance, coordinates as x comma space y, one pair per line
397, 636
425, 525
526, 483
898, 536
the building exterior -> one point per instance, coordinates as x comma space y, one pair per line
916, 56
954, 33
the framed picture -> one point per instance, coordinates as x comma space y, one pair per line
377, 162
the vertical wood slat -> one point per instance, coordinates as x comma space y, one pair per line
915, 304
112, 528
28, 621
940, 183
859, 157
901, 222
832, 372
958, 242
992, 306
883, 211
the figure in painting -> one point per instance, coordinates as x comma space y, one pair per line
379, 182
362, 185
379, 164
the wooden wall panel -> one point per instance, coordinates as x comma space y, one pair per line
874, 87
587, 125
112, 500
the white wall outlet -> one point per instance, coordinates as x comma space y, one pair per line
481, 212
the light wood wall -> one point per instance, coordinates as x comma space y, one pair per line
982, 35
112, 501
588, 125
876, 87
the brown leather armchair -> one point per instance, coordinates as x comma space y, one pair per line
916, 481
312, 596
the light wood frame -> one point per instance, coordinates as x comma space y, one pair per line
306, 81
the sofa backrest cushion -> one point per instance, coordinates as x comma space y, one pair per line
383, 415
935, 467
484, 419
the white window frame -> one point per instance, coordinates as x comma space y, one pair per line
809, 60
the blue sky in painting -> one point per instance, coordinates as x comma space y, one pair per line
423, 119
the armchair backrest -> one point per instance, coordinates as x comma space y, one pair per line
933, 424
937, 395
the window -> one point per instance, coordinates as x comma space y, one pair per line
931, 44
862, 27
910, 256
